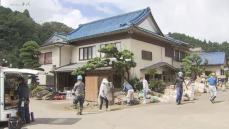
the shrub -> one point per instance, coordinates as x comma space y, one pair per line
157, 85
135, 82
37, 89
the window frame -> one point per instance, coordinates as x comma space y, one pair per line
45, 58
145, 55
85, 53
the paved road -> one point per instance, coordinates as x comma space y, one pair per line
199, 114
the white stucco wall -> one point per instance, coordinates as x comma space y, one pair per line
148, 25
75, 50
158, 54
176, 64
55, 58
66, 55
215, 68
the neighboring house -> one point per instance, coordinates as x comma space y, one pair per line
135, 31
55, 52
216, 62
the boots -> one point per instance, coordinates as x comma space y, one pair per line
80, 111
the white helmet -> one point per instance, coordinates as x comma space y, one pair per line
79, 77
180, 74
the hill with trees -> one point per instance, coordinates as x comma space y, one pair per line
16, 28
208, 46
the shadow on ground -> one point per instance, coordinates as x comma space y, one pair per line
187, 102
56, 121
218, 101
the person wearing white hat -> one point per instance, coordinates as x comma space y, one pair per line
104, 93
79, 93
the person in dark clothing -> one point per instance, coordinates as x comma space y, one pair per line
79, 92
23, 105
179, 87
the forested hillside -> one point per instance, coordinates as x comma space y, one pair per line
16, 28
206, 45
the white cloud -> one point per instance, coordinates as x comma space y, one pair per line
205, 19
48, 10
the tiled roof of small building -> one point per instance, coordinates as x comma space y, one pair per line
62, 38
213, 58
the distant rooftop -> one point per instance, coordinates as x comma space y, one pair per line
213, 58
57, 37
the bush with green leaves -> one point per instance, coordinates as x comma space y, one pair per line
135, 82
36, 90
157, 86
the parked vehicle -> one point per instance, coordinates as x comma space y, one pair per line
8, 90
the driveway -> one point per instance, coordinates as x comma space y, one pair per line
198, 114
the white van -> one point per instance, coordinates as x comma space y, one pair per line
8, 88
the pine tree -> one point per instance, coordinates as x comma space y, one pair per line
29, 55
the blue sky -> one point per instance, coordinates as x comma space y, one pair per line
91, 11
204, 19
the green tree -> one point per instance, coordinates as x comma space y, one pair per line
29, 54
48, 28
16, 28
193, 64
123, 60
120, 61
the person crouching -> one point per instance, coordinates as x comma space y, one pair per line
127, 88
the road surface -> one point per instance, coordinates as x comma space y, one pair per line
198, 114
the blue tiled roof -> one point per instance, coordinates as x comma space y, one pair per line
111, 24
213, 58
61, 35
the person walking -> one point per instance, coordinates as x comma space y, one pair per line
179, 87
127, 88
212, 82
145, 88
23, 105
104, 93
79, 93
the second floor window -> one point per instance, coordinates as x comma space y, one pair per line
179, 55
146, 55
87, 53
46, 58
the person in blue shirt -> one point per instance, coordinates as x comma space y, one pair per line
212, 82
127, 88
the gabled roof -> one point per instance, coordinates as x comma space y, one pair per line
111, 24
57, 37
158, 65
213, 58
